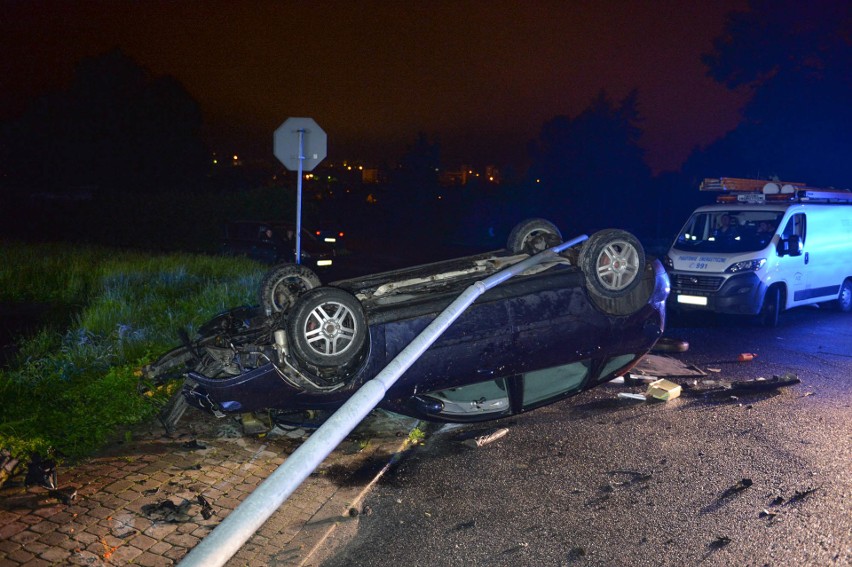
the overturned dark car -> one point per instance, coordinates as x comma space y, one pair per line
552, 331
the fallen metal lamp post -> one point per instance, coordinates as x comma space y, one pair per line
227, 538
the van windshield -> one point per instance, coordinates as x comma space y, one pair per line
729, 231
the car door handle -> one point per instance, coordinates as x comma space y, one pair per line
807, 257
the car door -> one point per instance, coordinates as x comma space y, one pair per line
554, 322
477, 347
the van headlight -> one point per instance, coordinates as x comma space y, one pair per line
746, 266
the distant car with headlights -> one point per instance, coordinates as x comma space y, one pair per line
551, 332
764, 247
275, 242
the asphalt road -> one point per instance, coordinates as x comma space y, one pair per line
756, 479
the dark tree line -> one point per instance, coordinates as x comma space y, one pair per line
116, 128
796, 58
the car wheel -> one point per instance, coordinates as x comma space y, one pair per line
328, 329
612, 261
283, 284
771, 307
533, 236
844, 298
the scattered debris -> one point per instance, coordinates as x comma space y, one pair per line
167, 511
801, 495
714, 369
767, 514
633, 397
194, 445
633, 477
763, 385
252, 425
737, 488
465, 525
481, 440
778, 501
746, 356
720, 542
41, 472
65, 495
637, 379
663, 390
206, 509
151, 491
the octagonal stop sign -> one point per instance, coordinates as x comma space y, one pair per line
287, 139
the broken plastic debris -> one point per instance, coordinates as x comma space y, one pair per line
663, 390
714, 369
642, 378
629, 396
41, 472
481, 440
746, 356
762, 384
738, 487
617, 380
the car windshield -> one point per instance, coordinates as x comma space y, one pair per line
729, 231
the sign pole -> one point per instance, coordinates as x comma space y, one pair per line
299, 197
300, 154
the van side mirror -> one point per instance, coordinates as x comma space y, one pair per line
790, 246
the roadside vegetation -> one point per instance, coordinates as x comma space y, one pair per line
70, 387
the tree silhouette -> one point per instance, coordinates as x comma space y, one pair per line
796, 57
116, 128
590, 170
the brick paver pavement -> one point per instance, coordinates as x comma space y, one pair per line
138, 502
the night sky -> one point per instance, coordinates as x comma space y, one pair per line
480, 77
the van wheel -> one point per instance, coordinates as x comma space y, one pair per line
613, 261
844, 298
328, 330
771, 307
283, 284
533, 236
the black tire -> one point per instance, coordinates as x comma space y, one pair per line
283, 285
771, 308
843, 303
613, 262
328, 330
533, 236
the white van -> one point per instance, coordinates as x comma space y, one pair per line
762, 248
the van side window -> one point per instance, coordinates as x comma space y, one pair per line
795, 226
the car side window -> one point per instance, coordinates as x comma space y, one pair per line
489, 397
614, 364
543, 385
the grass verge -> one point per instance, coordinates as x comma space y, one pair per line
69, 388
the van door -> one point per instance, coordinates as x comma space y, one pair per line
793, 259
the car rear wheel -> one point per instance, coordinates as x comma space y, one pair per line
282, 286
613, 261
328, 330
533, 236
